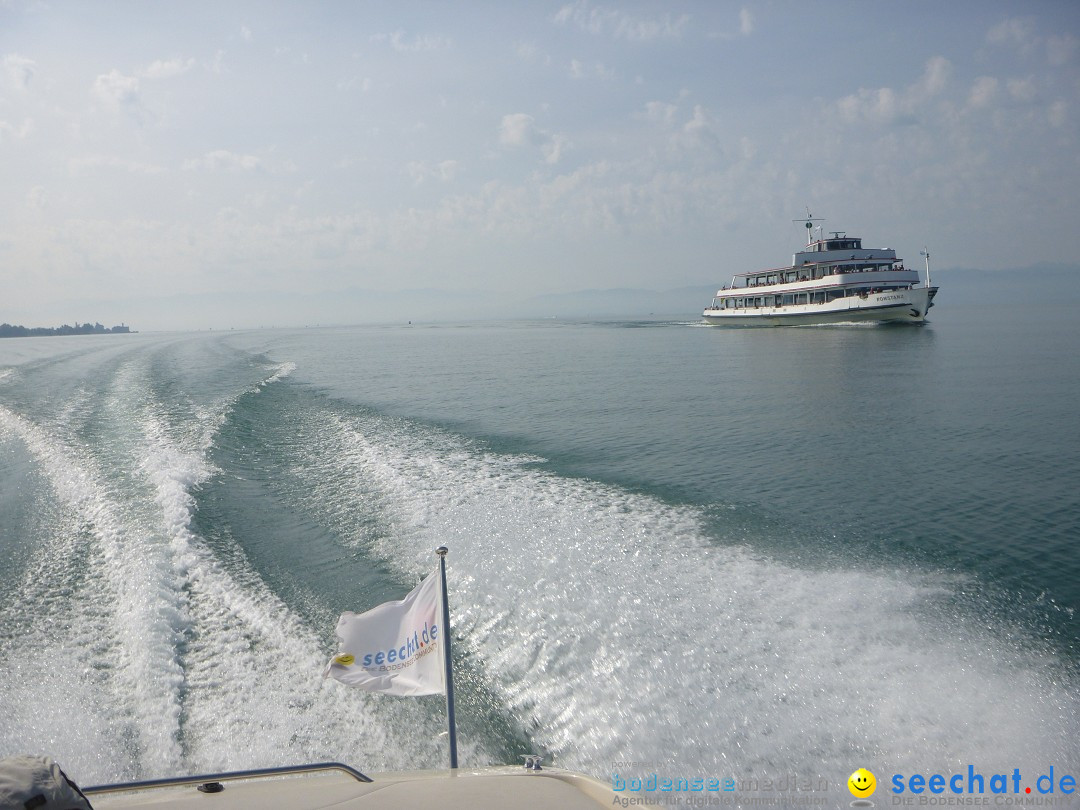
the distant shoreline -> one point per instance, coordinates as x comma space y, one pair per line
7, 330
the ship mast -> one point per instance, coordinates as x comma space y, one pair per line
925, 253
809, 226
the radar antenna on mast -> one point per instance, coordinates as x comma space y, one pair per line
810, 220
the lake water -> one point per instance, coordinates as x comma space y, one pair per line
675, 549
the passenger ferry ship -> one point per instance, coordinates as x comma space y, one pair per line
833, 280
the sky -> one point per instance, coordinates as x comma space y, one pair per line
232, 164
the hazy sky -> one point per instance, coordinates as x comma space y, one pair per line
192, 164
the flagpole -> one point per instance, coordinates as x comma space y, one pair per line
448, 672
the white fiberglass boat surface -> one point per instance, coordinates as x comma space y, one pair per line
343, 788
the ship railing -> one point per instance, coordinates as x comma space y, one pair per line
211, 783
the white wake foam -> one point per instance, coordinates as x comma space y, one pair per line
140, 654
115, 628
618, 631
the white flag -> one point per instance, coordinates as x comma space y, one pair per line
395, 648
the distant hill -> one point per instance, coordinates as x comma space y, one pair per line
7, 330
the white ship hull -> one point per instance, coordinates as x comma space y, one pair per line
831, 280
892, 306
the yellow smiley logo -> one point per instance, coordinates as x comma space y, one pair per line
345, 660
862, 783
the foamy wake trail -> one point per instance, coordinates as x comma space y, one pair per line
253, 694
103, 638
142, 655
615, 630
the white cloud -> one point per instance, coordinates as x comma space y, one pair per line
401, 42
699, 133
363, 85
108, 161
746, 22
448, 169
660, 111
245, 33
553, 149
983, 92
697, 123
19, 69
1022, 90
1060, 50
598, 70
515, 129
36, 198
530, 52
747, 149
986, 91
695, 136
1015, 33
9, 131
728, 33
164, 69
886, 106
614, 22
1058, 113
881, 106
444, 170
115, 89
935, 77
519, 129
223, 160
